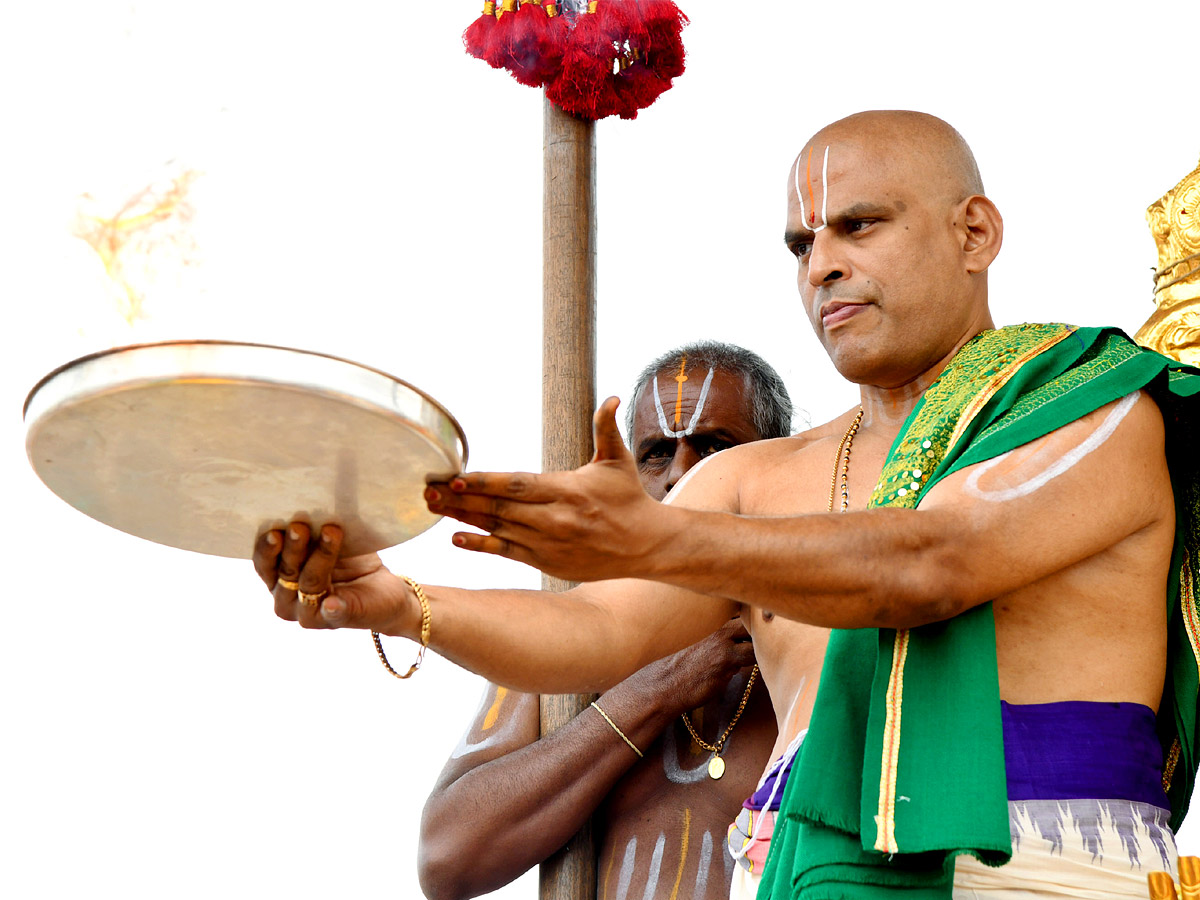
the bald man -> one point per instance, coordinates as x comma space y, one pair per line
1002, 536
506, 800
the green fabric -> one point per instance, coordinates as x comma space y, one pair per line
1009, 386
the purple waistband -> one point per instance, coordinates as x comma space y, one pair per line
768, 792
1082, 750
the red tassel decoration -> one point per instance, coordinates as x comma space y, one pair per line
664, 23
497, 50
585, 87
616, 58
478, 36
637, 86
535, 43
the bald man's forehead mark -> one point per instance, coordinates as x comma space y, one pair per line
809, 218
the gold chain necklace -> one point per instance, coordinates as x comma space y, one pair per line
842, 463
716, 765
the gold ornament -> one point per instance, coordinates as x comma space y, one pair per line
1174, 327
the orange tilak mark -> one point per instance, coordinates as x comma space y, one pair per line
812, 201
679, 380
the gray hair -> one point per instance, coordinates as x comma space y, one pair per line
770, 405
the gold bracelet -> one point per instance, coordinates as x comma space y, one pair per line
632, 746
426, 620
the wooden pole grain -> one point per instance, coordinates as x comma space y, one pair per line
568, 394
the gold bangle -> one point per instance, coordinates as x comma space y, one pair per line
631, 744
426, 620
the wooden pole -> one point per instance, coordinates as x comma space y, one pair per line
568, 394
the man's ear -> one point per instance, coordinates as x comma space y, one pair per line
981, 231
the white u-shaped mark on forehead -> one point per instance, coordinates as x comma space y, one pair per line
695, 420
824, 193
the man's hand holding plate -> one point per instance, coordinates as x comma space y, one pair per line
314, 586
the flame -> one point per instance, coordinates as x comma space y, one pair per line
151, 224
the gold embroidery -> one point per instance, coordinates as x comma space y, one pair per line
1172, 761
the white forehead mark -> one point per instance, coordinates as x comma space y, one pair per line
1059, 466
824, 194
695, 420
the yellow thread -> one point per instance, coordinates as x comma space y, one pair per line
683, 851
679, 380
492, 714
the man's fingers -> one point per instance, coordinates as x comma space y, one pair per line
605, 434
523, 487
266, 556
318, 570
316, 577
487, 543
488, 513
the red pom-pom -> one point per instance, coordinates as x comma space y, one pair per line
620, 58
584, 85
637, 87
497, 55
663, 48
535, 45
478, 36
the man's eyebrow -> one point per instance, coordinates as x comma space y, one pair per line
648, 444
861, 210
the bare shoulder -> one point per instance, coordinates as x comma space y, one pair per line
764, 477
1117, 449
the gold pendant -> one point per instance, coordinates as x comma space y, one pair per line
716, 768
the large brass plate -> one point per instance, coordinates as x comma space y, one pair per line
204, 444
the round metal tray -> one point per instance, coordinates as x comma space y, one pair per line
203, 445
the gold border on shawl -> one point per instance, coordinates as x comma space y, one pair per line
1001, 378
1187, 599
885, 840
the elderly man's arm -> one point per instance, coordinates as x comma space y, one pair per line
507, 800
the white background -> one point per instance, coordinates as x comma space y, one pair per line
372, 192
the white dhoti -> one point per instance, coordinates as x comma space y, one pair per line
1081, 849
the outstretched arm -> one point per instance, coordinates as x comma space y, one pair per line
585, 639
987, 530
507, 800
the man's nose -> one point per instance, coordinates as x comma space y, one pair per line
685, 457
826, 261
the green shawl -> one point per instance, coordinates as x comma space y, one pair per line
879, 804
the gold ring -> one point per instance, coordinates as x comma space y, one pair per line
290, 585
312, 599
